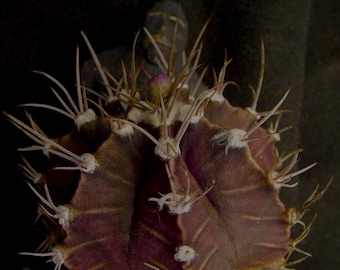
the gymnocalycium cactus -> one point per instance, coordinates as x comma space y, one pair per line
160, 171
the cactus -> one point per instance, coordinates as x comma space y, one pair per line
160, 171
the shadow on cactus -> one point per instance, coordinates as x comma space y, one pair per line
160, 171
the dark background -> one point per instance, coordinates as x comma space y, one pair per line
302, 41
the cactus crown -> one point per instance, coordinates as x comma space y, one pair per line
160, 171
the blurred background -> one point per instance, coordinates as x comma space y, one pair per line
302, 45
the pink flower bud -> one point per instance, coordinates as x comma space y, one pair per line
159, 87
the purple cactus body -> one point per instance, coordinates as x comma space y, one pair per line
182, 180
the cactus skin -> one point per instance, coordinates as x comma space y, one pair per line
184, 182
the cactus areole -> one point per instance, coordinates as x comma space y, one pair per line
160, 171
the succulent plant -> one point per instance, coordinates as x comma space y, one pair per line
160, 171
